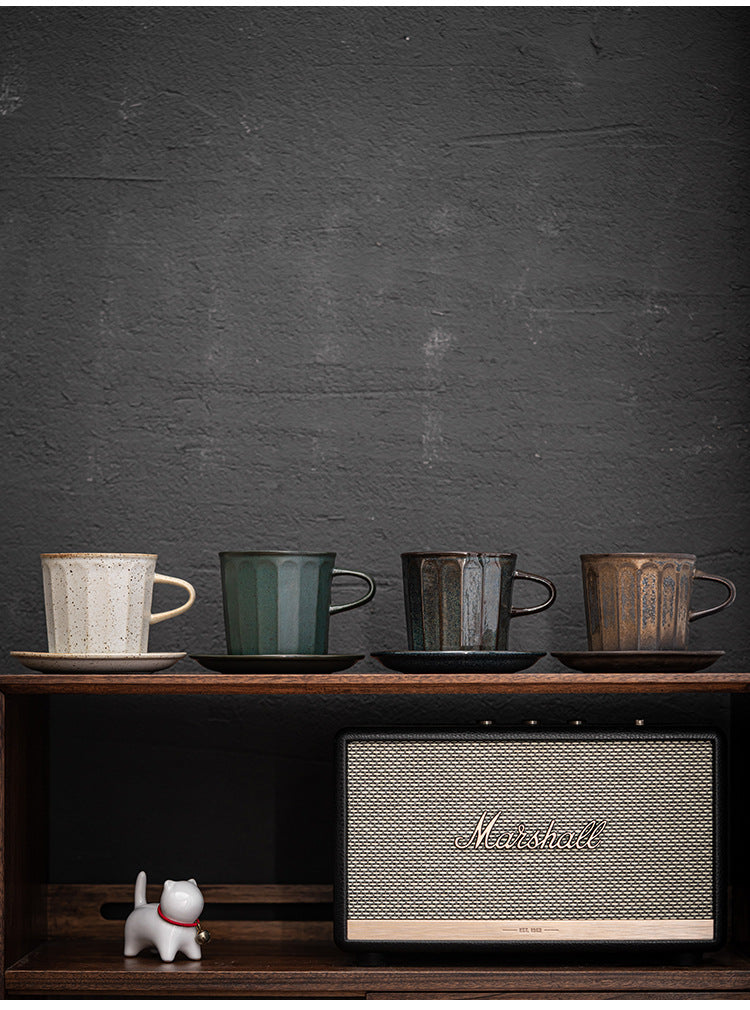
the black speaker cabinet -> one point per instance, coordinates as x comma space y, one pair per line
484, 837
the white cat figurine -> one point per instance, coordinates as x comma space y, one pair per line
171, 925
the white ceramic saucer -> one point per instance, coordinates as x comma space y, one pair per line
58, 662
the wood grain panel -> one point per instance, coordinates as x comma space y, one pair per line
76, 910
23, 823
557, 995
351, 682
285, 968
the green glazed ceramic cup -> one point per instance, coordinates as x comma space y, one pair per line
279, 602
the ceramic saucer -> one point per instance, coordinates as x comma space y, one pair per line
58, 662
276, 664
458, 661
637, 662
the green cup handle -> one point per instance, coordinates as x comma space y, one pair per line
357, 603
732, 592
524, 611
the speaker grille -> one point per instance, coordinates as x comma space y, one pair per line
409, 800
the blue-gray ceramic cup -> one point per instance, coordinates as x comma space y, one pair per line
279, 602
461, 600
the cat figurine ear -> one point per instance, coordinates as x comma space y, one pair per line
191, 881
169, 884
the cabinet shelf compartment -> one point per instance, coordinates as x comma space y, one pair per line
45, 954
317, 968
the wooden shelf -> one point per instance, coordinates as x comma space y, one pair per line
352, 682
288, 968
287, 959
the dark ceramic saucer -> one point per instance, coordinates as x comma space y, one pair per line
637, 662
458, 662
327, 663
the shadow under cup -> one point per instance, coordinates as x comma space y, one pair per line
279, 602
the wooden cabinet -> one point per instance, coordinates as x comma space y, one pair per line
59, 940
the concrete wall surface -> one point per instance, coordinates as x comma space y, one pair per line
365, 280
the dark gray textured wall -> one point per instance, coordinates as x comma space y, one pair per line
369, 280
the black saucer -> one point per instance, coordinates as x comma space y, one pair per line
327, 663
637, 662
457, 661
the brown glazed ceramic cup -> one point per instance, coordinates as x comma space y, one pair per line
641, 602
461, 600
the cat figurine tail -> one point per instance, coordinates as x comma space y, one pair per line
140, 890
171, 926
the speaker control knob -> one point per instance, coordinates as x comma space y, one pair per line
486, 722
576, 722
640, 722
531, 722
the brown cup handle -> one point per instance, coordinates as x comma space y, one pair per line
357, 603
694, 615
523, 611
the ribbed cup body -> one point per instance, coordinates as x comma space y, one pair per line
458, 601
98, 604
637, 602
276, 603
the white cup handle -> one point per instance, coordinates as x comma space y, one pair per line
168, 580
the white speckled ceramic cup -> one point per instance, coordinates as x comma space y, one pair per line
100, 604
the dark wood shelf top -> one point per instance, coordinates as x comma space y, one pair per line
198, 681
293, 967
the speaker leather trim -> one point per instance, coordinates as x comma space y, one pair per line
530, 930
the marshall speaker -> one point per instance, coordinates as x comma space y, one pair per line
485, 838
